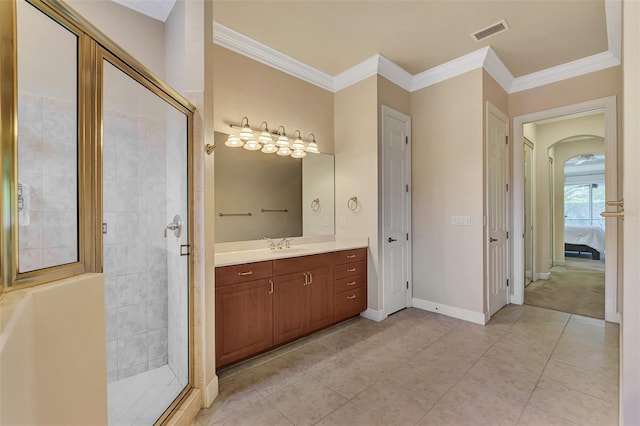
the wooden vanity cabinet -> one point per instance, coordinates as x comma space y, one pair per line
303, 296
350, 283
244, 311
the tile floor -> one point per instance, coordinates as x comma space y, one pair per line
528, 366
141, 399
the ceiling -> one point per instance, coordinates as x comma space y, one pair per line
330, 37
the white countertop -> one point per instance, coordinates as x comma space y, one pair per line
238, 253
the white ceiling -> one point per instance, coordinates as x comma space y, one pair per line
320, 40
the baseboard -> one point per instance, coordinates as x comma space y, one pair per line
210, 392
373, 315
560, 262
451, 311
543, 275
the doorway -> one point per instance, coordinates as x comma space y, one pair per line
529, 209
396, 210
557, 144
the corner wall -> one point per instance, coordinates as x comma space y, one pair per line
447, 177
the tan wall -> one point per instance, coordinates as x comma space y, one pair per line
141, 36
356, 160
494, 93
545, 135
243, 87
447, 176
53, 355
561, 153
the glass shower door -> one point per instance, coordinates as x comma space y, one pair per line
145, 215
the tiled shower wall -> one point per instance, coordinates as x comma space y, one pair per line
47, 152
134, 188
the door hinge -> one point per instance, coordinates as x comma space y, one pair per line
506, 140
507, 235
407, 285
406, 140
523, 235
406, 187
507, 186
407, 236
104, 227
185, 250
507, 282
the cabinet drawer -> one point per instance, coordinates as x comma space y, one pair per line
301, 264
350, 269
347, 256
233, 274
349, 303
349, 283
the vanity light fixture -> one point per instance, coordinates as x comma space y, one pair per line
264, 142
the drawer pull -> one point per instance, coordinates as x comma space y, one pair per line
270, 286
352, 283
245, 273
351, 256
353, 296
351, 270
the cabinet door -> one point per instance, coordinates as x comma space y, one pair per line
244, 324
320, 290
289, 307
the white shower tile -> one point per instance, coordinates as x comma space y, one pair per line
131, 258
157, 284
59, 193
132, 351
129, 195
132, 371
157, 341
59, 120
35, 190
110, 260
53, 256
158, 362
132, 321
131, 227
29, 116
61, 158
110, 292
156, 222
109, 161
127, 131
130, 165
112, 357
132, 289
111, 319
30, 260
157, 314
59, 229
30, 156
30, 236
110, 202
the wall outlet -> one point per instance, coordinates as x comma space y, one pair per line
460, 220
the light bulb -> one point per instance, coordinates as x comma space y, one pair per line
265, 137
284, 150
312, 147
297, 144
233, 141
246, 133
298, 153
252, 145
283, 141
269, 148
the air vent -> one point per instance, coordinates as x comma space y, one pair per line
490, 31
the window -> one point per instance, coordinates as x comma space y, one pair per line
583, 204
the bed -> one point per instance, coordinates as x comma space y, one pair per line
584, 239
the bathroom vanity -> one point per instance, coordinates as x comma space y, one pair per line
267, 303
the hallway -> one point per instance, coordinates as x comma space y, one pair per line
528, 366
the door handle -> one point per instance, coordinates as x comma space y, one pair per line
391, 239
491, 239
619, 203
619, 215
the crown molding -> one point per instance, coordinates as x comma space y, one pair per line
357, 73
240, 43
453, 68
496, 69
158, 10
572, 69
394, 73
613, 12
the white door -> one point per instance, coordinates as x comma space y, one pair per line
497, 179
396, 172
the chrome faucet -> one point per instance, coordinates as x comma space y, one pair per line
284, 243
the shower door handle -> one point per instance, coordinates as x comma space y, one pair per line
175, 226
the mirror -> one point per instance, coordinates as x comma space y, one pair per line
261, 195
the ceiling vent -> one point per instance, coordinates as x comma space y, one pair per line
490, 31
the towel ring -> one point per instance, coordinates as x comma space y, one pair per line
315, 205
352, 203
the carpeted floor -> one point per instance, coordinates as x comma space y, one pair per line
572, 288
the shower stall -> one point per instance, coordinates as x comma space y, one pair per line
102, 183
